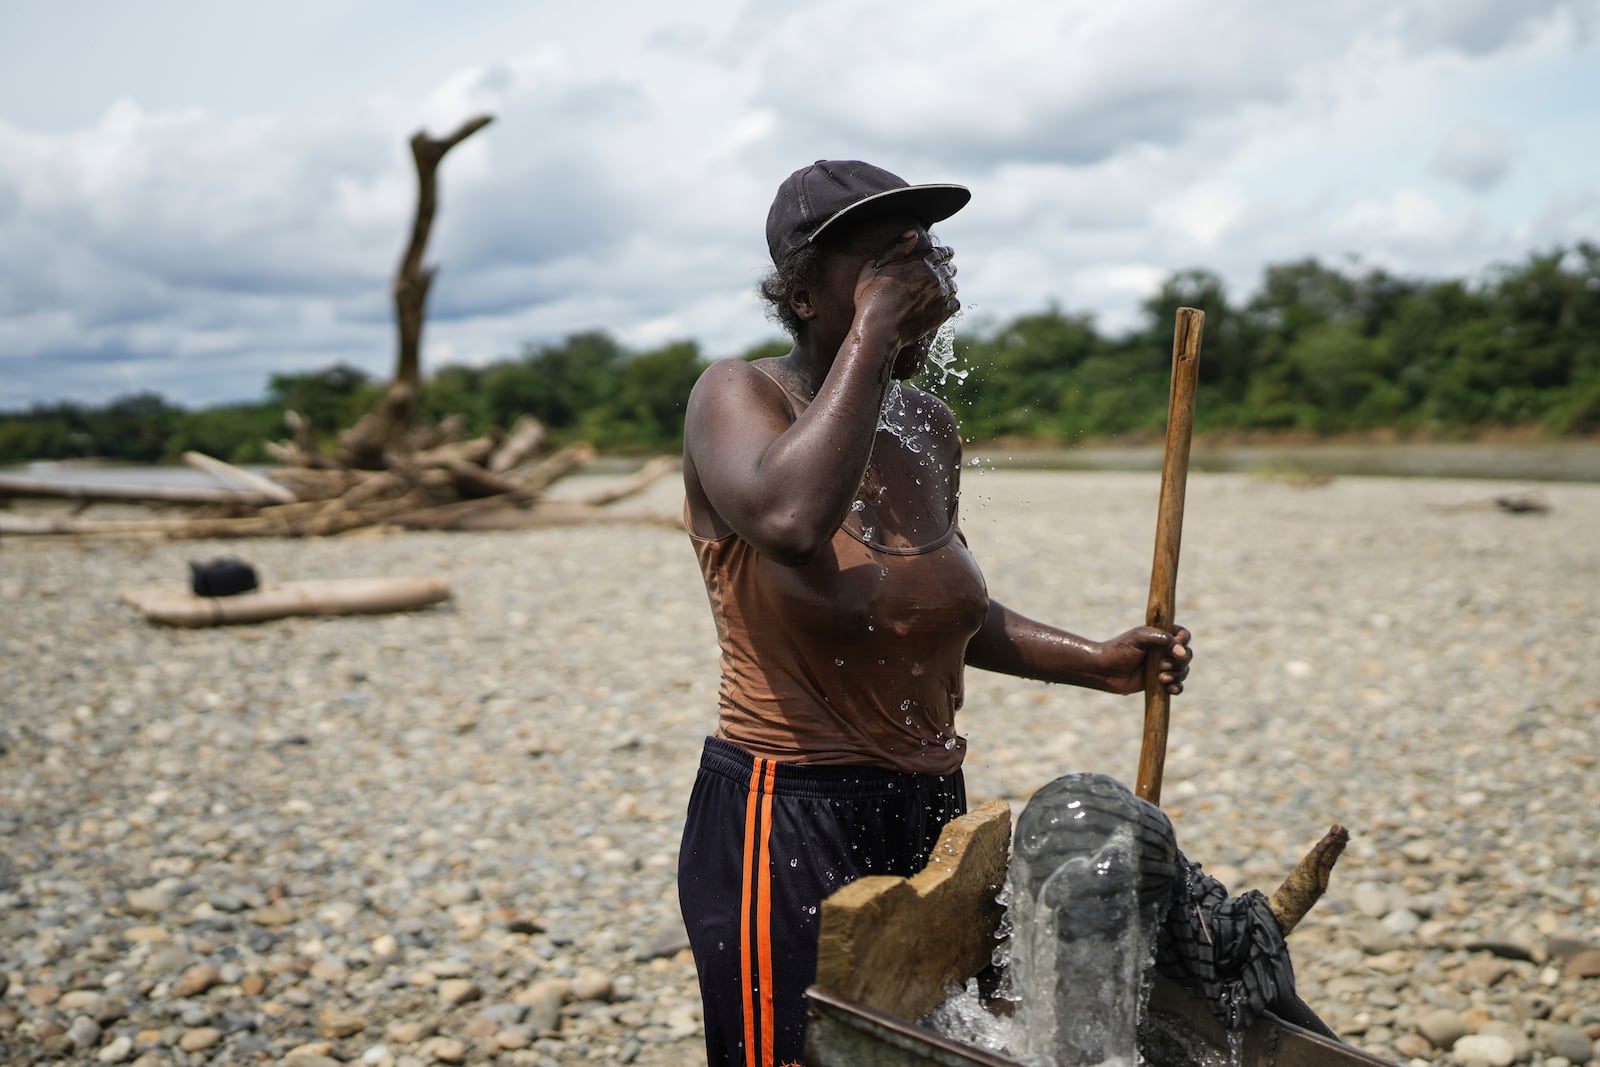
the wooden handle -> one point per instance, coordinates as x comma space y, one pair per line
1169, 533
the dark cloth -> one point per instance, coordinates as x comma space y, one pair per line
763, 844
1229, 948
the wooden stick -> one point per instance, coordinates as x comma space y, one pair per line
1169, 531
1309, 880
239, 477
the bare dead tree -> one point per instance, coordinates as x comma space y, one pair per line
367, 442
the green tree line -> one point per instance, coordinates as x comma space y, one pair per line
1314, 349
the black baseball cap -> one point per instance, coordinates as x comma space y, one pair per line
816, 197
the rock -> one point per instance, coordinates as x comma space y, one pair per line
196, 980
152, 900
1486, 970
338, 1022
273, 915
543, 1000
41, 996
1484, 1050
1585, 964
1413, 1046
79, 1000
1561, 1039
1370, 899
410, 1031
592, 984
1442, 1027
200, 1039
253, 985
1521, 1047
385, 949
1420, 851
453, 991
118, 1050
445, 1050
316, 1054
84, 1033
518, 1037
1401, 921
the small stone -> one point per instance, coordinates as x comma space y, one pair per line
1484, 1050
1585, 964
84, 1000
337, 1022
1442, 1027
272, 915
1420, 851
330, 970
145, 934
513, 1039
1561, 1039
543, 1000
196, 980
453, 991
201, 1039
1521, 1047
410, 1031
253, 985
152, 900
592, 984
1371, 899
41, 996
445, 1050
1401, 921
84, 1033
479, 1029
1486, 970
118, 1051
448, 968
315, 1054
385, 949
1413, 1046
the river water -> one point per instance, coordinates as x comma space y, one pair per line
1542, 461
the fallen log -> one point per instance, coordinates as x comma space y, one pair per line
166, 494
519, 446
339, 596
641, 480
553, 468
239, 477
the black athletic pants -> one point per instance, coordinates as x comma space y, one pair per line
764, 843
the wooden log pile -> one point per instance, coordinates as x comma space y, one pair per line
433, 479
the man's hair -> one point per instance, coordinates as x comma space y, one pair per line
799, 270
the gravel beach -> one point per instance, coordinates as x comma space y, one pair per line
450, 836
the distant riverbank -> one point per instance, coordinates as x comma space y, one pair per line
1571, 460
1544, 461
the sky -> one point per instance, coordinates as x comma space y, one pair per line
196, 196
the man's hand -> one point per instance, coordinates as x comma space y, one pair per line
1124, 658
913, 284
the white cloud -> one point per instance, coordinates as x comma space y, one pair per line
202, 227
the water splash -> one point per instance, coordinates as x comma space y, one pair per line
942, 355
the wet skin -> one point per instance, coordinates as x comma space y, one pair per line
785, 485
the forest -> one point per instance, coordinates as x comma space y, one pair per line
1315, 350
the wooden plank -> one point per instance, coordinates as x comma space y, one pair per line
897, 945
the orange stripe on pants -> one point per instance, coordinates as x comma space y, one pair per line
756, 897
764, 918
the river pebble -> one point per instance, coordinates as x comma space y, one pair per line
450, 836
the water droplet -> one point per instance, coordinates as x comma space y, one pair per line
794, 863
838, 663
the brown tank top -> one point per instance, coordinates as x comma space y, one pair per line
854, 657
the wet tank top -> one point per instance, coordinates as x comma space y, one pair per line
854, 657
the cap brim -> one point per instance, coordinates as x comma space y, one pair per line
927, 204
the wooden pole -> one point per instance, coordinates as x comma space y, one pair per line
1169, 530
